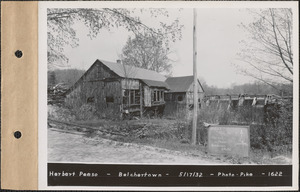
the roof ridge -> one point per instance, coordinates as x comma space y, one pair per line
132, 71
127, 65
181, 76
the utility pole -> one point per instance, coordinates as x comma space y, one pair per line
194, 129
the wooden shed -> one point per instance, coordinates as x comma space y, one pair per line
180, 93
117, 89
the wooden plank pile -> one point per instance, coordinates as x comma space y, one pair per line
56, 94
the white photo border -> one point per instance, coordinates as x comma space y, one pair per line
42, 83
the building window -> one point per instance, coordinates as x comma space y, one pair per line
158, 95
90, 100
109, 99
131, 97
179, 98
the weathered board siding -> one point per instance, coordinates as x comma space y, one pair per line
147, 96
190, 94
130, 84
180, 104
176, 104
176, 97
175, 109
99, 87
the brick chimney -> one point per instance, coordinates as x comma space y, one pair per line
118, 61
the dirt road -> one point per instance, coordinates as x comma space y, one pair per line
78, 148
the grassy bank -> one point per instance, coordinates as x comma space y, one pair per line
175, 134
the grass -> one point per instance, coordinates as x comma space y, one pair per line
173, 134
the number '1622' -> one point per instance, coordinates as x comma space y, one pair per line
275, 173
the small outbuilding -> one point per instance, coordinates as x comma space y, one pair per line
181, 93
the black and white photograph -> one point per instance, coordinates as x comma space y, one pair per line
170, 85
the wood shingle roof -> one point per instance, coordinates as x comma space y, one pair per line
132, 72
181, 84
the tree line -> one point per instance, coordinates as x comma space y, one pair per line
65, 76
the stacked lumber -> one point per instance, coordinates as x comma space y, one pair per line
56, 94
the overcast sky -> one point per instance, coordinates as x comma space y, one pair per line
218, 36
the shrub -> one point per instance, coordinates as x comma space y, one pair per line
275, 133
60, 113
183, 130
202, 133
85, 112
225, 117
217, 116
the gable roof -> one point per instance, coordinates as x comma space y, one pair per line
128, 71
149, 77
152, 83
180, 84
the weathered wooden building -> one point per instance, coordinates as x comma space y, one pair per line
181, 93
117, 89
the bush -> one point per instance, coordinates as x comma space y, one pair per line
225, 117
213, 116
258, 136
60, 113
85, 112
275, 133
202, 133
279, 121
217, 116
183, 130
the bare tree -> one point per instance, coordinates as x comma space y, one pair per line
62, 34
147, 52
268, 54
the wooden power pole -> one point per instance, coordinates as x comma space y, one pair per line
195, 96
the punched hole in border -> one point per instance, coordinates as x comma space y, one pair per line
18, 54
17, 134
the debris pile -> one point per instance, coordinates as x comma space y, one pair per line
56, 94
